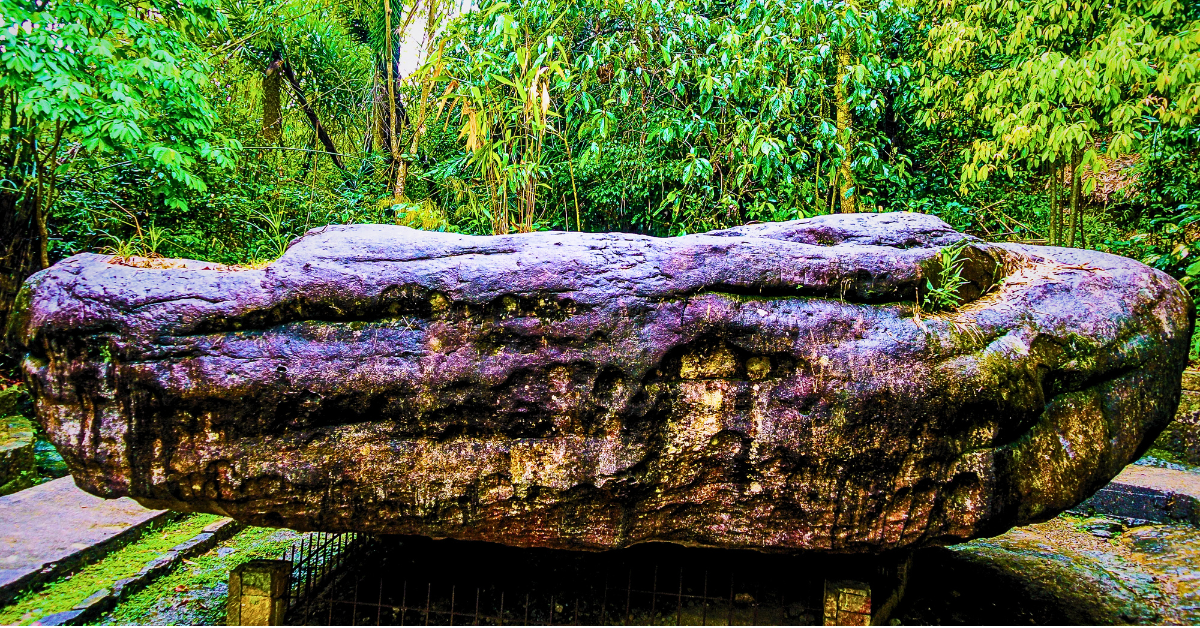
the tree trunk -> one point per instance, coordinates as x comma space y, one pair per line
431, 21
322, 134
1053, 205
379, 111
24, 249
393, 72
845, 130
272, 115
1075, 185
389, 118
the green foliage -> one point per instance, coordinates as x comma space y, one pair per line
112, 78
329, 56
944, 295
668, 117
1167, 210
663, 117
1052, 81
247, 218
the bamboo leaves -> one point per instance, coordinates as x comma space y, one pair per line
506, 110
727, 102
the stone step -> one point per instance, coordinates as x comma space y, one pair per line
54, 528
1149, 493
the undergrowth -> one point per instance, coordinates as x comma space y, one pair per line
944, 295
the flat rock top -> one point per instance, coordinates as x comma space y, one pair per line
50, 522
1165, 480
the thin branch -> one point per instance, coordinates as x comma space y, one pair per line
299, 150
312, 116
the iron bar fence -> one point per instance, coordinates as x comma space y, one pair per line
414, 581
317, 559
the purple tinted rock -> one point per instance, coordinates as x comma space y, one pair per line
770, 386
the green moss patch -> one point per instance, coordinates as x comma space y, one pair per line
195, 593
66, 592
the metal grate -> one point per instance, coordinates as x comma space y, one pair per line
417, 581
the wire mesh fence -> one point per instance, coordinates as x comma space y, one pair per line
417, 581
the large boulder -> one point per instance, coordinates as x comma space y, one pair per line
771, 386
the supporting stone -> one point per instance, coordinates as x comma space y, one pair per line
864, 591
258, 593
847, 603
1182, 436
17, 466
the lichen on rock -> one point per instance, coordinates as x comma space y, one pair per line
773, 386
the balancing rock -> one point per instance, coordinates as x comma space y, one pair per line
775, 386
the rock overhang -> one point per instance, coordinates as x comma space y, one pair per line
770, 386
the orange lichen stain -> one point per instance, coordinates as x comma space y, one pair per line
164, 263
716, 363
758, 367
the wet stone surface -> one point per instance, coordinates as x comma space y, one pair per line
1069, 570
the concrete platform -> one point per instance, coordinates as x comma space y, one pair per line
53, 528
1149, 493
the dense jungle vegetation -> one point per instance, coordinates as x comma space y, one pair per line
222, 129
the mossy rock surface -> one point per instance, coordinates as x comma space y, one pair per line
1191, 380
770, 387
17, 467
1182, 436
10, 400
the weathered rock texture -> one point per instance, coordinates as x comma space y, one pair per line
762, 387
17, 466
1181, 438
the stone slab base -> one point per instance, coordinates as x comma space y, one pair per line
1150, 494
52, 529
